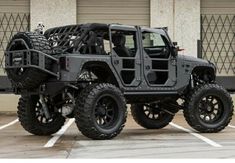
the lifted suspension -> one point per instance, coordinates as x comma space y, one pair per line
44, 107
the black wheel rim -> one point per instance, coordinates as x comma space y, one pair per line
153, 111
210, 109
40, 116
106, 112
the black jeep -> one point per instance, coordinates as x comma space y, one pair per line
90, 72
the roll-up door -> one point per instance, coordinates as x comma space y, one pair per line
218, 38
131, 12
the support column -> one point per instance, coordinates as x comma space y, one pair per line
183, 20
161, 15
52, 12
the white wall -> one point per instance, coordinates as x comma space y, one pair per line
182, 17
8, 102
52, 12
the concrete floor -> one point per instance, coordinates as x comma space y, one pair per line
133, 142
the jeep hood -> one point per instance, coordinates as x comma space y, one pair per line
193, 59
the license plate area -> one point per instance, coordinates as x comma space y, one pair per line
18, 58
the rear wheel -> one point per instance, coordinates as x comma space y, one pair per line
100, 111
150, 116
209, 108
33, 119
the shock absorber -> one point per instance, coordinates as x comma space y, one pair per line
44, 107
191, 81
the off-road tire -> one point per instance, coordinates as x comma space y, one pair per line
31, 77
141, 118
191, 112
85, 110
27, 118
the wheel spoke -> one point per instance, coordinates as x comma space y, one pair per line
156, 116
145, 108
152, 115
109, 116
105, 120
41, 118
100, 120
202, 116
213, 114
148, 114
109, 109
211, 98
47, 120
205, 118
214, 104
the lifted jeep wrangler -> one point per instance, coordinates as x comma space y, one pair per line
91, 71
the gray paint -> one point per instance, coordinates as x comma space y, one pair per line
179, 67
179, 74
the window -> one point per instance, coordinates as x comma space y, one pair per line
125, 46
154, 45
130, 44
152, 39
124, 43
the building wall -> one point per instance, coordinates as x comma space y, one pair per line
182, 17
52, 12
8, 102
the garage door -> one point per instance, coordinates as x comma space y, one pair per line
218, 38
14, 17
132, 12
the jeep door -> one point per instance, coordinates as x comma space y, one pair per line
159, 63
125, 54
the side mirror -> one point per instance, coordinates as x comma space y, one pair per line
175, 43
176, 48
175, 51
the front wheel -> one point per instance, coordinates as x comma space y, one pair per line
209, 108
100, 111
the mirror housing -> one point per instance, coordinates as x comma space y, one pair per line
175, 43
175, 51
